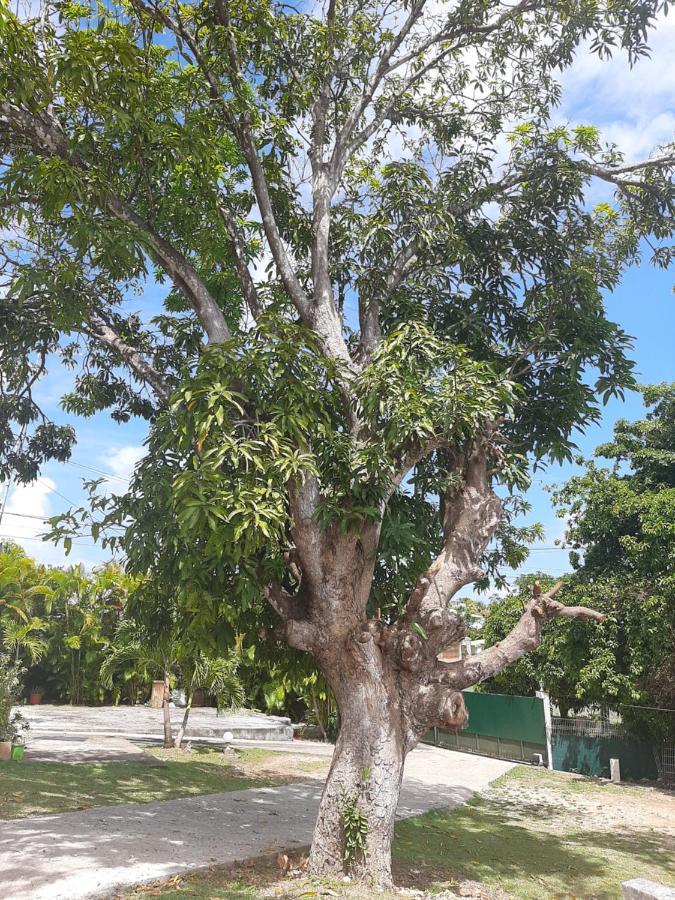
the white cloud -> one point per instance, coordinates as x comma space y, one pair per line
633, 106
122, 461
24, 502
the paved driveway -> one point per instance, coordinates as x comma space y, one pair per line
86, 854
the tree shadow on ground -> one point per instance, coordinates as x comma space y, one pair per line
43, 788
482, 844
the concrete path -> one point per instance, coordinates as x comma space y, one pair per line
141, 722
87, 749
82, 855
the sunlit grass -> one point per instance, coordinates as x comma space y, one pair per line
32, 789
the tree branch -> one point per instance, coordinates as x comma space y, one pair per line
614, 174
237, 247
141, 368
45, 136
299, 632
523, 638
464, 31
471, 516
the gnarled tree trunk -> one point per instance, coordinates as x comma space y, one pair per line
388, 682
367, 765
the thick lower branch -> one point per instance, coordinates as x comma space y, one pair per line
471, 516
523, 638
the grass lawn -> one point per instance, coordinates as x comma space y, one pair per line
535, 835
37, 788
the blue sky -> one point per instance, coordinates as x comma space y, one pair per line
636, 109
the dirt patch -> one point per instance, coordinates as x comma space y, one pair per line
562, 802
288, 767
265, 766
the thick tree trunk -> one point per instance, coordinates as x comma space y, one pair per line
366, 771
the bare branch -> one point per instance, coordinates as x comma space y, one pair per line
237, 247
615, 174
523, 638
141, 368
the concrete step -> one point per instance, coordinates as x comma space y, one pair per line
141, 722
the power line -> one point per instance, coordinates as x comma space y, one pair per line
54, 491
23, 537
26, 516
70, 462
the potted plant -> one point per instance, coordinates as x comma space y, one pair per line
11, 724
36, 695
10, 736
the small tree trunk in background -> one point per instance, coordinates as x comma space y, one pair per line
317, 714
183, 724
168, 738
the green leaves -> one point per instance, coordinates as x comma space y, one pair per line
620, 522
419, 386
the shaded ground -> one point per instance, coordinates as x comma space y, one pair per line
86, 748
38, 788
533, 835
86, 854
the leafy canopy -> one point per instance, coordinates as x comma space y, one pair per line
420, 283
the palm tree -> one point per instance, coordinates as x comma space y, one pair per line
165, 654
23, 594
216, 675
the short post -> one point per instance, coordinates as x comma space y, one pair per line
615, 771
548, 725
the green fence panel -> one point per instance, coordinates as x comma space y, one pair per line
590, 755
499, 725
504, 716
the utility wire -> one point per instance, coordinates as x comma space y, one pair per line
70, 462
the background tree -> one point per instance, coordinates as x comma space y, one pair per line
83, 614
622, 518
154, 641
425, 312
621, 528
24, 596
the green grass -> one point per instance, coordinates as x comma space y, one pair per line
33, 789
545, 855
522, 836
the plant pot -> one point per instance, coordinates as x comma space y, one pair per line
5, 750
17, 751
35, 699
199, 697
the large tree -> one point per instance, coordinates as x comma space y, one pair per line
385, 294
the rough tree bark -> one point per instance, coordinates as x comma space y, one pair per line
389, 685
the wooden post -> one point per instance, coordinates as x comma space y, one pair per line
157, 695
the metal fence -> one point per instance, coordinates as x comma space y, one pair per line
500, 725
586, 745
665, 762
